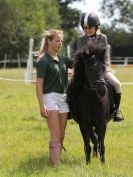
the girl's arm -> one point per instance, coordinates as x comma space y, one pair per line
39, 93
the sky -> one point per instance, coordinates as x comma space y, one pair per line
90, 6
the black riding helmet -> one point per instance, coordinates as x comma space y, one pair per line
90, 20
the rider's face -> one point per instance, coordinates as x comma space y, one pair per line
89, 30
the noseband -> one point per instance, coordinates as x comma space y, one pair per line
93, 85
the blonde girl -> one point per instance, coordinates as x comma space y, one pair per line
51, 90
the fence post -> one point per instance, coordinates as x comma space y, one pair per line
126, 61
28, 72
68, 51
18, 59
5, 61
109, 53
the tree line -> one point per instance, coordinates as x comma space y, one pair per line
23, 19
120, 30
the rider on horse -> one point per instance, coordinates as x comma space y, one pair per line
90, 24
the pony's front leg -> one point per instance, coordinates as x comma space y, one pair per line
101, 146
84, 128
94, 140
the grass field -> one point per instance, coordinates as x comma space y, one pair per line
24, 136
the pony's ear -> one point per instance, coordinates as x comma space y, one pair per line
104, 54
104, 49
101, 52
79, 55
85, 54
101, 49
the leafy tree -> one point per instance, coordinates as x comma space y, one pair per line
69, 21
20, 20
69, 17
120, 12
120, 41
25, 19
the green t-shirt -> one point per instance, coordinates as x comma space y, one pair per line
54, 73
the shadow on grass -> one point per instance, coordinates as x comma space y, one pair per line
32, 165
41, 164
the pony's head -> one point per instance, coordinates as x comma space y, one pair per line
93, 58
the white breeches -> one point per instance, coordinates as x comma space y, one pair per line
114, 81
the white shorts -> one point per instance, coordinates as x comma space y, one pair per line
56, 101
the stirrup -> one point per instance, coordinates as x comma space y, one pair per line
117, 118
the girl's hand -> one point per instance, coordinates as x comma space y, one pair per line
44, 111
70, 73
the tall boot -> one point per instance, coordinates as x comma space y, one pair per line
117, 114
54, 153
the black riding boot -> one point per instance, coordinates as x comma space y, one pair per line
117, 114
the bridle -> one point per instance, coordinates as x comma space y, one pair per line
93, 85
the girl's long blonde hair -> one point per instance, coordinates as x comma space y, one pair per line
47, 35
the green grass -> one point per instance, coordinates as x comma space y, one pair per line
24, 136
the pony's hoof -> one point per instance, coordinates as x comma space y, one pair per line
102, 161
95, 154
88, 162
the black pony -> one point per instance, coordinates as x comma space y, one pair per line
90, 103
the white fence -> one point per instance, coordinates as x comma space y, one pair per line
122, 61
19, 62
119, 61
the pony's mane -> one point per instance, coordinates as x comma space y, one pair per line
90, 49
